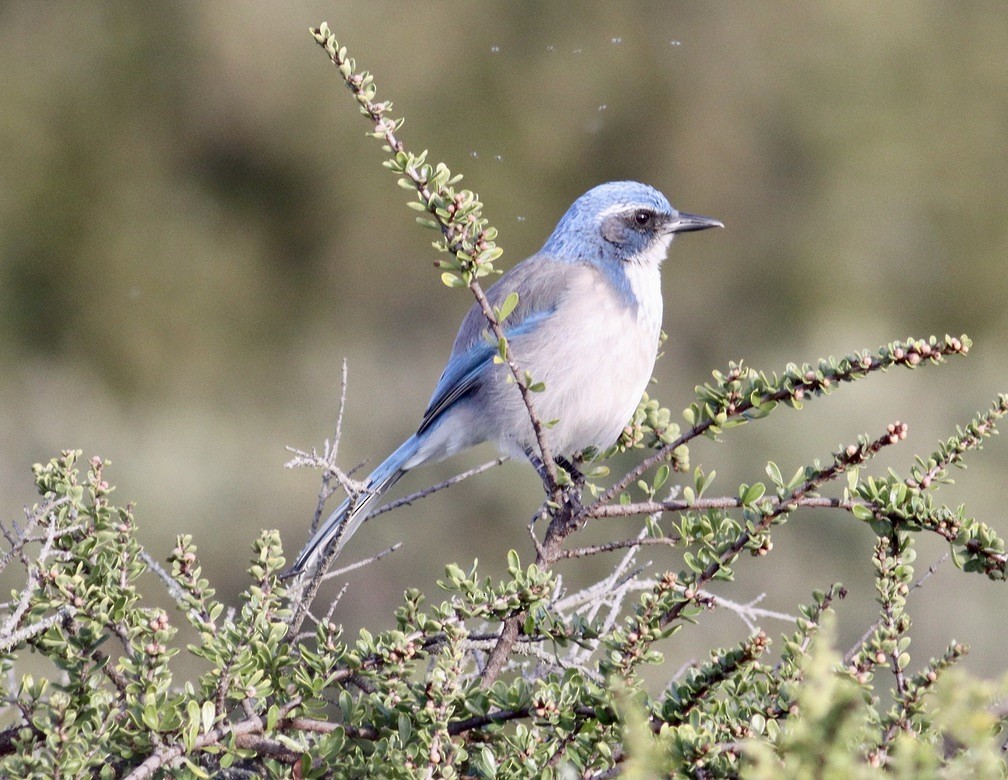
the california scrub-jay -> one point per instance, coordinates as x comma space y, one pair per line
586, 324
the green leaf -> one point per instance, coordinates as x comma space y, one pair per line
272, 717
703, 481
197, 770
405, 728
346, 704
862, 512
208, 711
507, 307
753, 493
192, 729
150, 715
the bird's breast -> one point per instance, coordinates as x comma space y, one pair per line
595, 356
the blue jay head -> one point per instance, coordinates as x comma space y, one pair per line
622, 222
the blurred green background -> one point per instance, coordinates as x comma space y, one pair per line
194, 231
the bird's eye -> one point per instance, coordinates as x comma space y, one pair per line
642, 218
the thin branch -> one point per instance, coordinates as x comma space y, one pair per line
363, 562
748, 611
270, 748
331, 454
304, 599
929, 573
14, 620
530, 527
168, 755
327, 462
23, 536
549, 465
416, 496
335, 602
23, 634
623, 544
719, 502
175, 590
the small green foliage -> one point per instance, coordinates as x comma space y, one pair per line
833, 728
466, 237
744, 394
652, 427
403, 700
830, 723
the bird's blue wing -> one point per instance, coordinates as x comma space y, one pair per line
460, 377
464, 372
539, 282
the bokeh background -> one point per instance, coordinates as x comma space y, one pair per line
195, 231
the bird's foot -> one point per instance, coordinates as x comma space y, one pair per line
571, 489
572, 499
571, 467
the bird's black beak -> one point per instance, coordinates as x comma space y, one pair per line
683, 223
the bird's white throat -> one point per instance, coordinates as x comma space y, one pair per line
643, 272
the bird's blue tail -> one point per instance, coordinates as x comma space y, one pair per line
344, 522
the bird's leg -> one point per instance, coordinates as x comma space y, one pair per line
537, 464
572, 490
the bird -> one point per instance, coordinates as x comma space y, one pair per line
586, 325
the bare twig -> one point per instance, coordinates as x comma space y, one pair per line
332, 453
363, 562
327, 461
718, 502
749, 612
174, 589
15, 617
9, 641
549, 465
623, 544
321, 576
416, 496
21, 537
335, 602
303, 596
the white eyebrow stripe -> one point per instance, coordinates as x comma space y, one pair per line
618, 208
